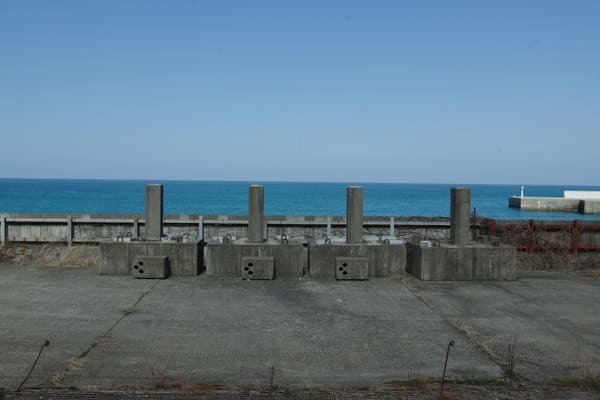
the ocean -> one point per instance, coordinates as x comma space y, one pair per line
49, 196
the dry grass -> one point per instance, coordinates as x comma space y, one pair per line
50, 254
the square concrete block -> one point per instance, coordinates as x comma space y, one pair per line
351, 268
150, 267
258, 268
462, 263
383, 259
289, 261
117, 258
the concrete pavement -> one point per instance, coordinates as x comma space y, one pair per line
115, 332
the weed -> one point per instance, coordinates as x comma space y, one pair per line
591, 382
509, 366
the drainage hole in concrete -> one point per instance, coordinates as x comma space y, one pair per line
345, 273
345, 264
141, 262
246, 268
141, 271
250, 272
135, 267
340, 268
249, 264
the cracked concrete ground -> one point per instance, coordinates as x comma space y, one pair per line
114, 332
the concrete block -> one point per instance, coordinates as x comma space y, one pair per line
150, 267
589, 207
351, 268
117, 258
462, 263
289, 260
383, 259
114, 259
258, 268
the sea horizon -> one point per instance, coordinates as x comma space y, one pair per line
258, 181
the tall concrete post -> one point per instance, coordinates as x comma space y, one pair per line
154, 212
354, 214
460, 216
256, 213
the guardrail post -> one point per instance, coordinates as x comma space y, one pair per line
575, 237
201, 228
3, 230
70, 230
136, 227
530, 235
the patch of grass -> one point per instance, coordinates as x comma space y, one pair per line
51, 254
7, 257
589, 382
427, 381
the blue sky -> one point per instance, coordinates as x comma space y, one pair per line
371, 91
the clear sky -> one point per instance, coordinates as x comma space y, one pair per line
371, 91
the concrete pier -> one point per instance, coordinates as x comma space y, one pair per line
154, 212
460, 217
256, 214
562, 204
354, 214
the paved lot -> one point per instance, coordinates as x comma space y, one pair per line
111, 332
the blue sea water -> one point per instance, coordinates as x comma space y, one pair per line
281, 198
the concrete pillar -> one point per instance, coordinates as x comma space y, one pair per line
256, 213
460, 216
136, 227
3, 230
154, 212
328, 227
392, 227
354, 214
200, 227
70, 230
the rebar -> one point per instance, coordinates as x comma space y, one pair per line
46, 344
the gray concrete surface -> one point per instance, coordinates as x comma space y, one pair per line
111, 331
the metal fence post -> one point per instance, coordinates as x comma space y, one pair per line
3, 230
70, 230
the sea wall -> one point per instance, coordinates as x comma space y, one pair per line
85, 228
544, 203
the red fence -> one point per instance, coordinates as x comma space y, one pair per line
530, 236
